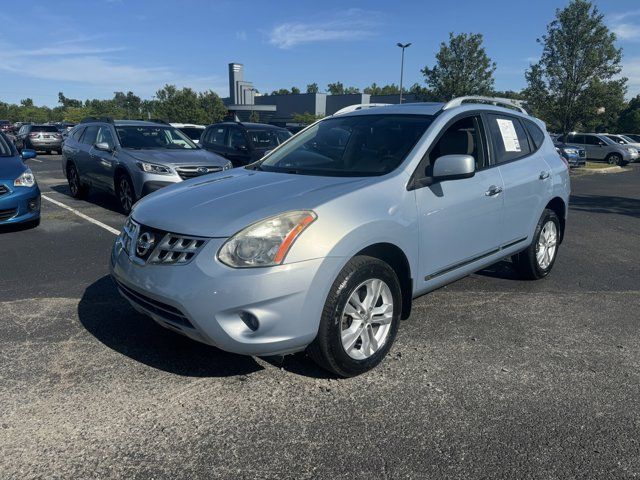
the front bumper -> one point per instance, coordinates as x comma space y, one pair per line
205, 299
20, 204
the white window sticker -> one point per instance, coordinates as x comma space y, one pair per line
509, 136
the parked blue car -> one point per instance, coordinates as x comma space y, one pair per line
19, 192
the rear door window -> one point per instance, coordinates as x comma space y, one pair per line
510, 140
592, 140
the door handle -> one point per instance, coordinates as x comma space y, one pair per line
493, 190
544, 175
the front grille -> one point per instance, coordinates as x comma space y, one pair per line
192, 172
7, 214
166, 312
3, 189
150, 245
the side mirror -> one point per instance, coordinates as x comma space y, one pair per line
601, 143
103, 146
27, 153
453, 167
241, 148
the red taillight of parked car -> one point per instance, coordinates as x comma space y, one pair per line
33, 135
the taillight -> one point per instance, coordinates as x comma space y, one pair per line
33, 135
57, 135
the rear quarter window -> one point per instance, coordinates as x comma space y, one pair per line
536, 134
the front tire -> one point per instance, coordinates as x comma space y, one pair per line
125, 192
538, 259
615, 159
360, 318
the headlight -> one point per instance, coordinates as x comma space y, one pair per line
154, 168
228, 166
25, 180
632, 150
266, 242
571, 151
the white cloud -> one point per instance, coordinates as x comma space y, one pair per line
86, 65
625, 30
631, 70
353, 24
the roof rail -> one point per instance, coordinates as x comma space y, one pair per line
96, 119
497, 101
360, 106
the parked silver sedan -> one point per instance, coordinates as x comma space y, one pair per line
323, 244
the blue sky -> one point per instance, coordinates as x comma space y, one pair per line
91, 48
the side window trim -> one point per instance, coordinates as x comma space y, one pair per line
477, 118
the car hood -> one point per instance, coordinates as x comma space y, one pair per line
11, 168
221, 204
178, 157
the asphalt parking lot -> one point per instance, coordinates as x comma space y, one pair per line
491, 377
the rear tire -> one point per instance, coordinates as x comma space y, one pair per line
78, 190
360, 318
538, 259
125, 192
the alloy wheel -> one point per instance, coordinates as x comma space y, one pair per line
547, 244
366, 319
73, 181
126, 195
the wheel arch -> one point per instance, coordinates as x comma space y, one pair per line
395, 257
558, 206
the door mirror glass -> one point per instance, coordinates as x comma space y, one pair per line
103, 146
27, 153
453, 167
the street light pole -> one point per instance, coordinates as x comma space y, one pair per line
402, 46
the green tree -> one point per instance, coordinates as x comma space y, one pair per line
351, 90
629, 121
462, 68
281, 91
336, 88
572, 84
312, 88
295, 90
254, 117
306, 118
68, 102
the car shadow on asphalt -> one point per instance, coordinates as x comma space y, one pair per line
97, 197
109, 318
605, 204
503, 269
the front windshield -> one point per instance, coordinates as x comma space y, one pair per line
628, 139
363, 145
617, 139
5, 147
147, 137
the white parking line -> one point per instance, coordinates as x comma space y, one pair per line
82, 215
36, 160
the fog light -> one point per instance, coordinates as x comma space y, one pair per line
250, 320
33, 204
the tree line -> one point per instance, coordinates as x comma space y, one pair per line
575, 85
178, 105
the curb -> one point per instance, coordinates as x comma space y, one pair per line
615, 169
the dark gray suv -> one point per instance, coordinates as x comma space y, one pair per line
132, 158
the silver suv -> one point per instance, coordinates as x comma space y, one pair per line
601, 147
132, 158
323, 243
